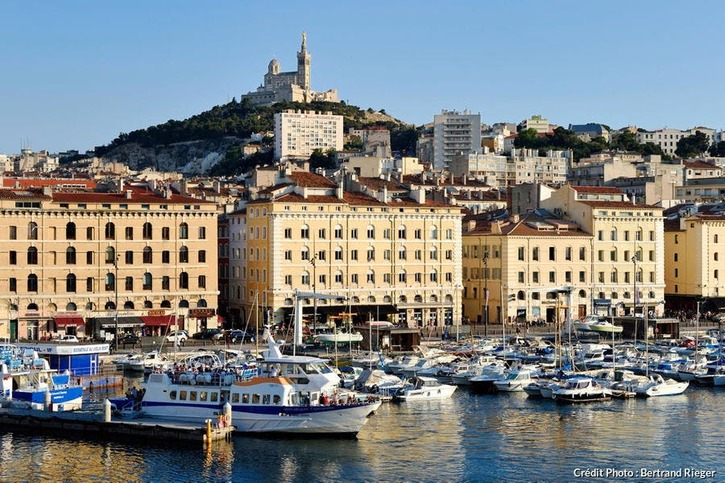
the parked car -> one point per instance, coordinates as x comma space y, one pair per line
175, 336
68, 339
209, 334
129, 338
236, 335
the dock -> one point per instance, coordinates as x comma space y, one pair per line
93, 425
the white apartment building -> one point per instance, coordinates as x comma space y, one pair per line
455, 133
298, 133
667, 138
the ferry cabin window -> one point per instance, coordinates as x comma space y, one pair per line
265, 399
245, 398
192, 396
214, 397
255, 399
235, 398
172, 395
182, 395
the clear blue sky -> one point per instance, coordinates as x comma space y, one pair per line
77, 73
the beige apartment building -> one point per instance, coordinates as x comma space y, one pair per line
75, 262
627, 253
529, 266
695, 263
390, 259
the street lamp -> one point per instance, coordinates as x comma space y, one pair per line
485, 294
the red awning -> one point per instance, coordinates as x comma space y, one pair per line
158, 320
65, 321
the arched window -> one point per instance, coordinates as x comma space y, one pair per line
32, 256
70, 283
147, 231
183, 231
110, 281
148, 255
70, 231
147, 281
184, 255
70, 256
110, 231
32, 231
32, 283
184, 280
110, 255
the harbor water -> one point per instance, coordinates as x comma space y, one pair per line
504, 437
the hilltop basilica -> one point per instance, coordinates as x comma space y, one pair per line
289, 86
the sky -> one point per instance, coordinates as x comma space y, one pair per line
77, 73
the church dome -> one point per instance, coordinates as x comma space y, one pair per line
274, 66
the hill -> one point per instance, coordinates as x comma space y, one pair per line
196, 144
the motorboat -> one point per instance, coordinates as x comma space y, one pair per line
515, 381
581, 389
598, 324
659, 386
291, 395
424, 388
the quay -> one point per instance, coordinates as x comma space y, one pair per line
93, 425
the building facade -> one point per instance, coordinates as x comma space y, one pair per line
455, 133
298, 134
77, 262
393, 260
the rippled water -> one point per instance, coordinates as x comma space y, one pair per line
466, 438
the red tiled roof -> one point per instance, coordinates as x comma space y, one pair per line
311, 180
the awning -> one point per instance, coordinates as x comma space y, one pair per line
123, 322
65, 321
158, 320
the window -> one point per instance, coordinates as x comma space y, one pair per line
32, 256
129, 284
148, 231
129, 233
202, 281
70, 231
148, 281
201, 256
183, 231
110, 282
70, 256
70, 283
148, 255
109, 231
184, 255
32, 283
165, 233
165, 282
202, 233
184, 280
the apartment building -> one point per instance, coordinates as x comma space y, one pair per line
385, 258
627, 252
297, 134
76, 262
455, 133
525, 268
695, 263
